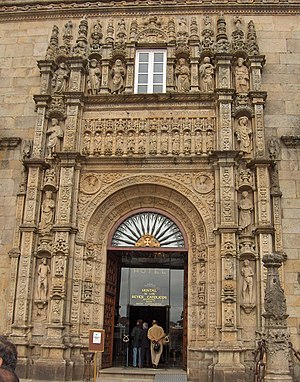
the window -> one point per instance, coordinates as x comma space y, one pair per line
150, 73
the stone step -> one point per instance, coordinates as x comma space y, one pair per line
145, 374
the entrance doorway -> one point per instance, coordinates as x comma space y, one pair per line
149, 313
164, 290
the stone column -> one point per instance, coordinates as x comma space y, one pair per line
225, 94
229, 367
276, 333
105, 68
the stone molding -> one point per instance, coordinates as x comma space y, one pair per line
9, 143
21, 10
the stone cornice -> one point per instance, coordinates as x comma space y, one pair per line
9, 142
19, 9
291, 140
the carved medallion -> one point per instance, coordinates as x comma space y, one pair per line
203, 183
90, 184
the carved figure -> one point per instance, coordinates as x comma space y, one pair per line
117, 74
153, 143
47, 215
182, 72
93, 81
43, 274
176, 143
60, 78
229, 315
55, 135
97, 143
245, 207
241, 76
86, 143
228, 268
243, 134
207, 76
59, 266
247, 287
142, 143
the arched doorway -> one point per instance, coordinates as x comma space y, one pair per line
146, 279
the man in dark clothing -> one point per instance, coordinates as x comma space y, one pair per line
136, 335
145, 354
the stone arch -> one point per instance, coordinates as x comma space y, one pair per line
153, 191
167, 195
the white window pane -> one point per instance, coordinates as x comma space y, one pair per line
158, 57
143, 78
158, 78
144, 57
142, 88
158, 68
143, 68
157, 89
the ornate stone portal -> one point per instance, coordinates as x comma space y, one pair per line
101, 151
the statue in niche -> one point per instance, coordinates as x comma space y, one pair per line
206, 76
86, 143
119, 143
47, 215
198, 142
43, 282
142, 143
117, 74
94, 77
108, 143
55, 135
245, 215
187, 142
97, 143
153, 143
228, 267
182, 72
241, 76
247, 286
130, 143
60, 78
229, 315
59, 266
176, 143
244, 134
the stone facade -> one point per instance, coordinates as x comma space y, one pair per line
80, 149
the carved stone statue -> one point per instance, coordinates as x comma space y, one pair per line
43, 282
241, 76
244, 135
55, 135
47, 215
117, 74
247, 287
245, 207
94, 77
60, 78
229, 315
206, 76
182, 72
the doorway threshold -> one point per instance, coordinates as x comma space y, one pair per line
134, 374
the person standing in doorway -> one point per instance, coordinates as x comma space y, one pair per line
145, 355
156, 335
136, 335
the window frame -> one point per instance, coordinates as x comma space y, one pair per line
150, 83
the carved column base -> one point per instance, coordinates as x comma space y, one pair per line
229, 368
19, 338
52, 370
